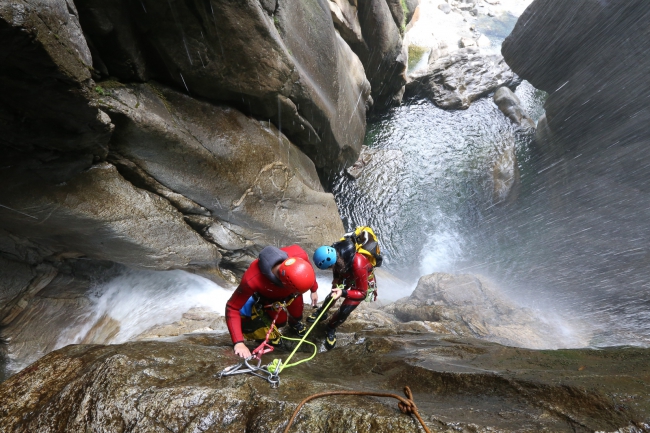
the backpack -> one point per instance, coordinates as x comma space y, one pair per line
366, 243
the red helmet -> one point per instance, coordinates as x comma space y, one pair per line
296, 273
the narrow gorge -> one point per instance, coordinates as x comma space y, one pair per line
497, 147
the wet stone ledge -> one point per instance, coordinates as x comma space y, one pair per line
458, 384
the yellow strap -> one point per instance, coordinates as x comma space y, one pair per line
368, 255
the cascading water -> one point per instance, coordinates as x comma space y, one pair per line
429, 180
133, 303
429, 193
136, 301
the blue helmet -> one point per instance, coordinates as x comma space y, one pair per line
325, 257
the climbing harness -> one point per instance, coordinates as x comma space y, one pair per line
371, 294
271, 372
259, 322
406, 405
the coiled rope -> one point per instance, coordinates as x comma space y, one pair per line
406, 405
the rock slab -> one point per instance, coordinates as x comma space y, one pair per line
456, 80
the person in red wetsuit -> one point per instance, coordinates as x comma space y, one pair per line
278, 275
351, 270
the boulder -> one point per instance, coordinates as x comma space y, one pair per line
505, 174
356, 169
469, 306
467, 42
346, 21
454, 81
250, 184
510, 105
287, 64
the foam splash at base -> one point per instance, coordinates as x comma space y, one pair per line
441, 252
136, 301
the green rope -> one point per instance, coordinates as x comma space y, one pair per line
302, 340
302, 360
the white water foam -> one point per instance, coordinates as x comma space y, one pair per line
441, 252
139, 300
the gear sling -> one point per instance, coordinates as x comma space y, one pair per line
257, 317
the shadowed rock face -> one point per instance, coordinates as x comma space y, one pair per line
457, 384
591, 57
49, 125
285, 63
102, 216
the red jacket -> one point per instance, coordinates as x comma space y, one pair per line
253, 281
356, 279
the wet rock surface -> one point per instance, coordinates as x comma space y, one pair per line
470, 306
255, 187
102, 216
457, 384
456, 80
510, 105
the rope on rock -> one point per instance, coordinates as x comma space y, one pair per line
271, 371
286, 362
406, 405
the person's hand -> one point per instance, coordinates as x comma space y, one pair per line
314, 299
336, 293
242, 350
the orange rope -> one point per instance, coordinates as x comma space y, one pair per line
406, 405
